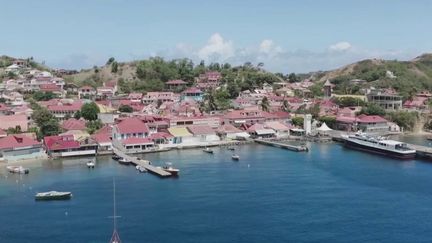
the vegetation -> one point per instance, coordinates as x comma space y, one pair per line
89, 111
43, 96
297, 121
48, 125
93, 126
373, 109
125, 108
405, 119
348, 101
265, 105
329, 120
216, 100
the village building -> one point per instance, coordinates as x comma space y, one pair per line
203, 133
386, 99
20, 147
175, 85
73, 124
86, 92
260, 131
103, 138
209, 80
192, 93
67, 145
20, 122
230, 132
181, 135
183, 121
159, 97
131, 135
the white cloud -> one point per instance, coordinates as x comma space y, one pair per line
340, 46
216, 49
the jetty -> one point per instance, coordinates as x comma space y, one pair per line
422, 152
143, 163
296, 148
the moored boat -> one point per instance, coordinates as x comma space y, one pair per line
231, 148
116, 157
124, 161
91, 164
378, 145
17, 169
208, 150
235, 157
169, 168
141, 169
53, 195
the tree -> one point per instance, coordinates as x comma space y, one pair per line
43, 96
90, 111
292, 78
349, 101
297, 121
265, 105
314, 110
114, 67
77, 115
47, 123
125, 108
285, 105
373, 109
329, 120
15, 130
110, 60
93, 126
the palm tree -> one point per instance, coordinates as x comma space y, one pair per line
265, 105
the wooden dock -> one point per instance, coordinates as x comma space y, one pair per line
296, 148
143, 163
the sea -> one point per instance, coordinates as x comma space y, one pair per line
329, 194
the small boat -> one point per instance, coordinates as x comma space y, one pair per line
53, 195
17, 169
235, 157
231, 148
141, 169
169, 168
207, 150
124, 161
91, 164
116, 157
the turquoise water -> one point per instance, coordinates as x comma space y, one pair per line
330, 194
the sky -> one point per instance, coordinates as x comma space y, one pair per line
287, 36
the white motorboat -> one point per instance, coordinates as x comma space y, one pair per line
169, 168
141, 169
53, 195
235, 157
208, 150
17, 169
91, 164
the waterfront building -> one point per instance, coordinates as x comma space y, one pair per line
14, 121
103, 138
19, 147
281, 130
260, 131
228, 131
203, 133
67, 145
307, 124
181, 135
131, 135
182, 121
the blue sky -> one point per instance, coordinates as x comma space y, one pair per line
288, 36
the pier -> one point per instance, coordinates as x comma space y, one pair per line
143, 163
296, 148
422, 152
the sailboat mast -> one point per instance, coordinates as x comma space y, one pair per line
114, 209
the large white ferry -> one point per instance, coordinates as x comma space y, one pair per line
378, 145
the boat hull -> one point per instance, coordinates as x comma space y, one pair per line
379, 151
53, 198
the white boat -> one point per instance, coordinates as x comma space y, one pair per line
208, 150
378, 145
91, 164
124, 161
53, 195
17, 169
169, 168
141, 169
235, 157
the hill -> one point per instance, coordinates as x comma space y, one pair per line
406, 77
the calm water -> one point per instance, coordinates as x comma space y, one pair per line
330, 194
